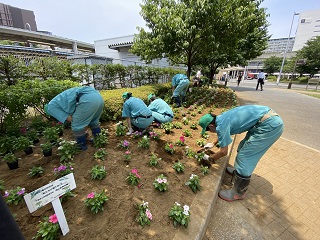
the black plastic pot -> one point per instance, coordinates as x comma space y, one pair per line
13, 165
28, 150
36, 141
47, 153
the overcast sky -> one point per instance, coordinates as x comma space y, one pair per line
88, 21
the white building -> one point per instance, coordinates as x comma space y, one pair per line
279, 45
308, 27
118, 49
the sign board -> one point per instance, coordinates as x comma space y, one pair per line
46, 194
51, 193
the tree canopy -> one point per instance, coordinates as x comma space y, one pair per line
310, 54
211, 33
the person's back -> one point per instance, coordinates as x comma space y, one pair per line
161, 111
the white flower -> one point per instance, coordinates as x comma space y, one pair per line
178, 204
187, 147
192, 176
186, 213
186, 208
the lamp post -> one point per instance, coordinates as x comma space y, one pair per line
285, 52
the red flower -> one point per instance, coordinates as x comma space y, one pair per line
53, 218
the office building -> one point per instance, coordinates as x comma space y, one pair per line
280, 44
308, 28
17, 17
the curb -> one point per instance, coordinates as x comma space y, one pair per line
204, 202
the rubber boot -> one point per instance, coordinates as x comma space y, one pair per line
95, 131
239, 189
183, 99
177, 100
230, 170
81, 139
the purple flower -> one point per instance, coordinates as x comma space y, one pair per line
21, 192
6, 194
125, 143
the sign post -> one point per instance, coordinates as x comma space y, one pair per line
51, 193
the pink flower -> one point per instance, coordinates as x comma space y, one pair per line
134, 170
21, 192
171, 146
182, 139
137, 175
125, 143
53, 218
148, 213
127, 152
90, 195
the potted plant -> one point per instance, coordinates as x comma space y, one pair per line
46, 149
11, 160
33, 136
51, 134
25, 144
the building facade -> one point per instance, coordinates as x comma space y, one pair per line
17, 17
280, 45
308, 28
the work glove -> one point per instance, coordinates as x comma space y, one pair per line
209, 146
130, 132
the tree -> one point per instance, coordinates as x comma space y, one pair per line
11, 70
207, 32
272, 64
310, 53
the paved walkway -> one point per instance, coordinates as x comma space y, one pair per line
283, 200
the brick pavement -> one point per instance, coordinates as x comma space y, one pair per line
283, 200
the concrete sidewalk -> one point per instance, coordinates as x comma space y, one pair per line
283, 200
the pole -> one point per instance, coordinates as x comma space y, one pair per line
285, 52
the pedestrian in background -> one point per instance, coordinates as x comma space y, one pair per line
239, 79
261, 78
80, 106
263, 127
180, 84
136, 113
161, 111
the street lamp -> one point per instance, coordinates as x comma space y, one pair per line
285, 52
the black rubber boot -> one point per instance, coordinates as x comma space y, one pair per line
183, 99
81, 138
239, 189
177, 101
95, 131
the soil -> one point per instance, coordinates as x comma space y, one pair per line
117, 221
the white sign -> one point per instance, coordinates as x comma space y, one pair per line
51, 193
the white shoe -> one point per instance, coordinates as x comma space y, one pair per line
130, 132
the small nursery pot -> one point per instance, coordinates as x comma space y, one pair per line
47, 153
13, 165
28, 150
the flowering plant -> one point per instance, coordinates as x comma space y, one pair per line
136, 134
10, 158
154, 160
66, 196
169, 148
154, 135
63, 170
185, 121
189, 152
124, 144
47, 146
194, 183
100, 140
194, 126
95, 201
205, 135
14, 195
51, 134
48, 229
144, 217
187, 133
204, 169
100, 154
180, 215
120, 129
177, 125
167, 126
199, 156
127, 156
161, 183
201, 142
23, 143
181, 141
178, 166
193, 114
35, 171
67, 150
133, 177
98, 172
144, 142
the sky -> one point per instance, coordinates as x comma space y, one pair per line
87, 21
